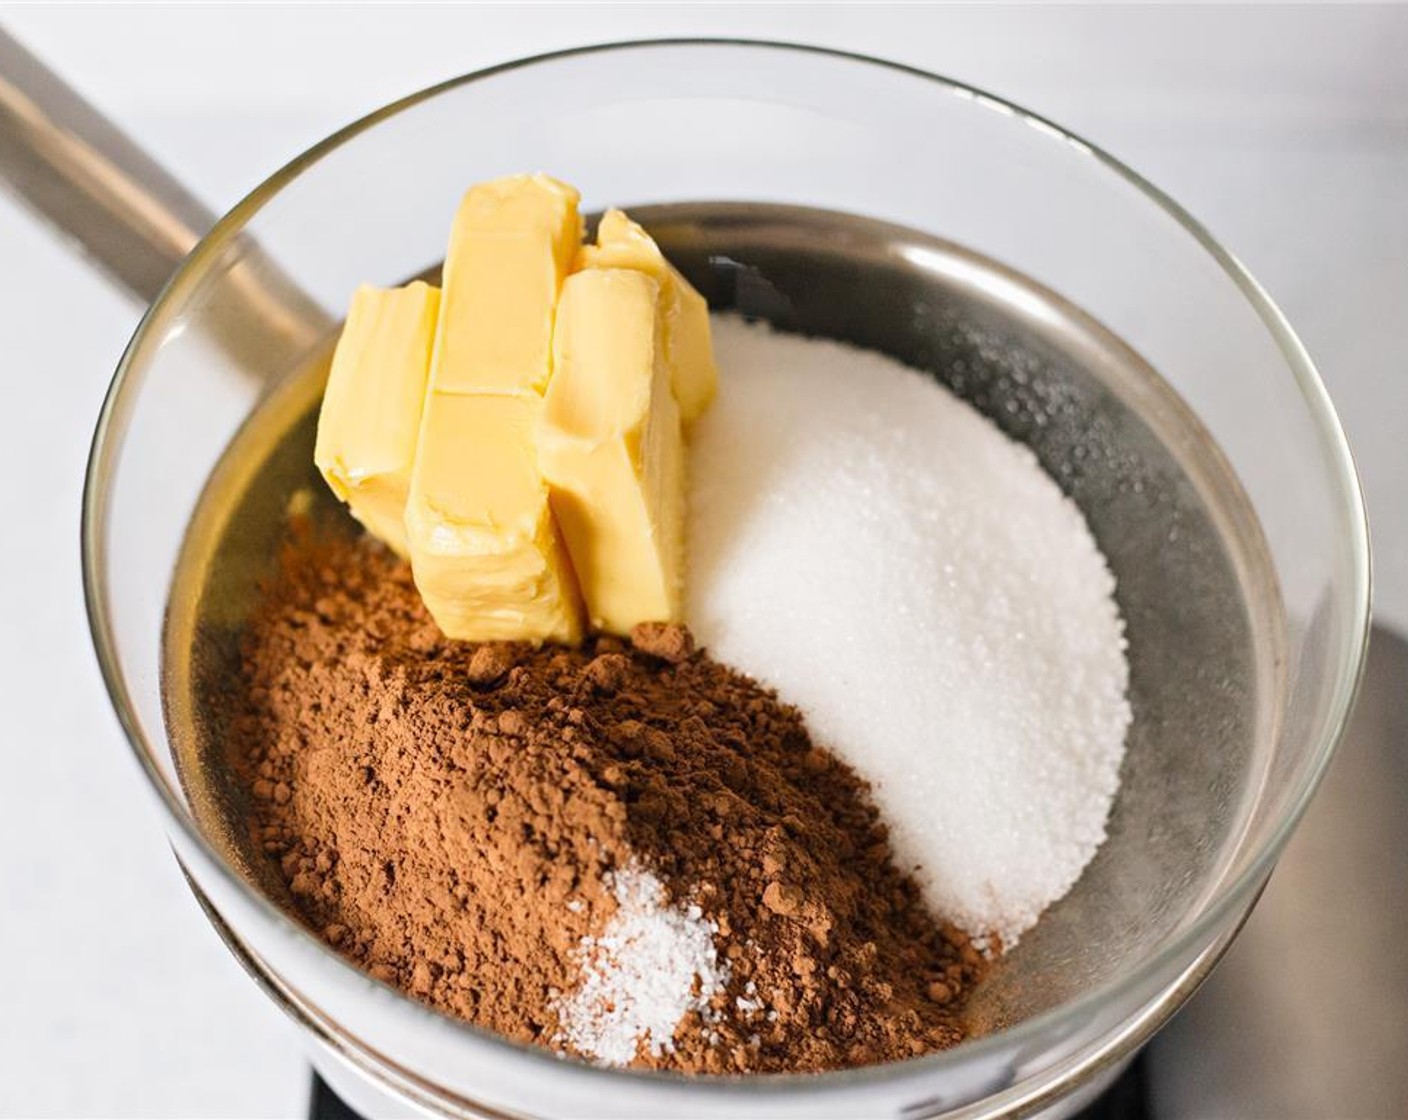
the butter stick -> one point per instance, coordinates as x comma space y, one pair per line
611, 448
684, 313
484, 548
370, 417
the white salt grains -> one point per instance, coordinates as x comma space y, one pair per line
653, 963
912, 580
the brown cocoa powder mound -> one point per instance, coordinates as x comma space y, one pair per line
445, 815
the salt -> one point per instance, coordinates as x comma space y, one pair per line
908, 576
652, 964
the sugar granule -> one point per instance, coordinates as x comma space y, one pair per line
653, 964
843, 502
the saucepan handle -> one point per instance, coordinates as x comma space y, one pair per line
131, 218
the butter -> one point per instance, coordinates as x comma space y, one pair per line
519, 433
689, 354
611, 448
370, 416
484, 550
484, 547
512, 243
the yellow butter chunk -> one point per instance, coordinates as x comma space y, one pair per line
611, 448
512, 243
621, 243
484, 550
370, 416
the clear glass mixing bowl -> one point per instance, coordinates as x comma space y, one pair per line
757, 123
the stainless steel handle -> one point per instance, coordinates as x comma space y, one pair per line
79, 172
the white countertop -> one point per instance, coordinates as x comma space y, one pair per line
1286, 131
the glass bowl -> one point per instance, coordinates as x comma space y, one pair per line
869, 201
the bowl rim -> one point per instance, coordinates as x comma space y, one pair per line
110, 430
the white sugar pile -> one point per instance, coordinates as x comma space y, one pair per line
652, 964
913, 581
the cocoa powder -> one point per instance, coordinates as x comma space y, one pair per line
448, 816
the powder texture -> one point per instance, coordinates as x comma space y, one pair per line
652, 965
486, 826
858, 531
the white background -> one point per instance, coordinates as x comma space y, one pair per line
1285, 129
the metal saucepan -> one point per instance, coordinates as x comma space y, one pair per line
1160, 387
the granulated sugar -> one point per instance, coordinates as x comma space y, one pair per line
652, 965
846, 504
